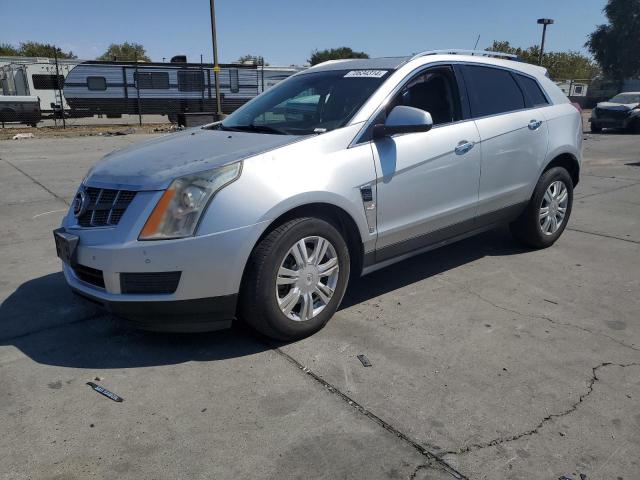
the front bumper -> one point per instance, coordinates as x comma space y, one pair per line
608, 122
210, 266
198, 315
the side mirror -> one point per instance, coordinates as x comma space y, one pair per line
403, 119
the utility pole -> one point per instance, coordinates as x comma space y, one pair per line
544, 22
55, 56
216, 67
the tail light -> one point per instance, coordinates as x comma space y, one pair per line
577, 107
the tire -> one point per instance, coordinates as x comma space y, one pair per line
634, 127
260, 297
595, 128
528, 228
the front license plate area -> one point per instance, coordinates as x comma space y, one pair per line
66, 244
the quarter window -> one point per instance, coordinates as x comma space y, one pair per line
152, 80
533, 91
189, 81
492, 91
47, 82
96, 83
434, 91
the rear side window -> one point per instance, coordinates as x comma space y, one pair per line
492, 91
533, 92
96, 83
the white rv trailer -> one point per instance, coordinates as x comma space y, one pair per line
270, 75
35, 76
116, 88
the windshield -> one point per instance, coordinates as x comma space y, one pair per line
308, 103
626, 98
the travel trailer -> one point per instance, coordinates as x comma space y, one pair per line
116, 88
37, 77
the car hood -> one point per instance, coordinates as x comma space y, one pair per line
153, 164
616, 106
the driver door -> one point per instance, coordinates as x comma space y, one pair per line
427, 185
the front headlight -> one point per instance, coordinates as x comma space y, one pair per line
177, 213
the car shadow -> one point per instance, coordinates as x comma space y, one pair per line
51, 326
496, 242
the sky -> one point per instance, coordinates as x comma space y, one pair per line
286, 31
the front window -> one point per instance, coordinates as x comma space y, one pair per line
308, 103
626, 98
434, 91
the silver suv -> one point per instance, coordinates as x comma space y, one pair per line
340, 170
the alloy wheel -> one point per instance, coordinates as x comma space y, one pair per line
553, 207
307, 278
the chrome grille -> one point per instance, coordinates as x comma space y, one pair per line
105, 206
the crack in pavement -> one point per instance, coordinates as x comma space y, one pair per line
606, 191
543, 317
54, 195
604, 235
571, 409
424, 466
433, 460
625, 179
52, 327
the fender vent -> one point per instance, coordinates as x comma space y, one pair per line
367, 194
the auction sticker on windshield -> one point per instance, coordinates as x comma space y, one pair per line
366, 74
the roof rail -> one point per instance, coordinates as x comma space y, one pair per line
455, 51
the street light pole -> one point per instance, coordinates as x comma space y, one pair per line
216, 67
544, 22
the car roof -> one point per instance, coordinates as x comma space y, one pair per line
382, 63
393, 63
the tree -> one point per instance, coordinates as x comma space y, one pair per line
8, 50
560, 65
253, 59
126, 51
34, 49
616, 45
319, 56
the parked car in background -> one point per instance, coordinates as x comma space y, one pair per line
20, 109
339, 170
621, 112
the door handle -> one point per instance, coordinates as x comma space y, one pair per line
463, 147
535, 124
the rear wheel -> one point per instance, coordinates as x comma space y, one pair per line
295, 279
547, 214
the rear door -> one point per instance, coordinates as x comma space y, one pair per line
513, 139
427, 187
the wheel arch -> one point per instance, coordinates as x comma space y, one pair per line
567, 161
334, 214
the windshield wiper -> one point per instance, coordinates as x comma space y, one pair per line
254, 128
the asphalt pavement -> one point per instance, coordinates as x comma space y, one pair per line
489, 360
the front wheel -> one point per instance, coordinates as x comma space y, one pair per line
295, 279
548, 211
595, 128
